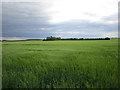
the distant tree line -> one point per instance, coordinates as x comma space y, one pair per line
59, 38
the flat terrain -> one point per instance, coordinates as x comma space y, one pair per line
60, 64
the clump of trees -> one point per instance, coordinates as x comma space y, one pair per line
51, 38
59, 38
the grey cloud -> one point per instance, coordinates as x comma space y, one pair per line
19, 18
85, 29
24, 13
31, 20
113, 17
86, 26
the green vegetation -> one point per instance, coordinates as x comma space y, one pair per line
60, 64
59, 38
0, 65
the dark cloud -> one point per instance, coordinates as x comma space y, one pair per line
19, 18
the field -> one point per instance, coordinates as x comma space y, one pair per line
60, 64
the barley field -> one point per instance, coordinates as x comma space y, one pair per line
60, 64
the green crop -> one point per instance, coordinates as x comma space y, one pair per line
60, 64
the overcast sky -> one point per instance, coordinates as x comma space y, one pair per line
60, 18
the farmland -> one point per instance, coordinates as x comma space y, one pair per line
60, 64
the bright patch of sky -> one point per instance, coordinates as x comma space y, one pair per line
92, 10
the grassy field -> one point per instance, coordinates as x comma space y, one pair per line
0, 65
60, 64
